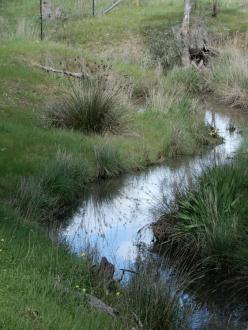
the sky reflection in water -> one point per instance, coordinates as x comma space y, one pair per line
118, 216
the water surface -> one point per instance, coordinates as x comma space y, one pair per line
116, 214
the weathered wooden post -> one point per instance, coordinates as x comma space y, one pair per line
185, 33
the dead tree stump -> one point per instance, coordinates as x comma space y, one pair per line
106, 270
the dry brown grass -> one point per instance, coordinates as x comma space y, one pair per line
227, 76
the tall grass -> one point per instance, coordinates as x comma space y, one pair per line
227, 77
91, 106
154, 295
210, 222
52, 194
108, 160
185, 131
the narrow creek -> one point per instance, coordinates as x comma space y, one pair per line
115, 215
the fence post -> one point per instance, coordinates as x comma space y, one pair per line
93, 7
41, 20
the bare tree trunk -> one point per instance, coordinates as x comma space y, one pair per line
185, 32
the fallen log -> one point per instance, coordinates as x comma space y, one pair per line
78, 75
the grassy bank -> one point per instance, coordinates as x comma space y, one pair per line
31, 151
45, 168
43, 173
40, 282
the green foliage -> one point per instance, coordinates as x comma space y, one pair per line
108, 161
90, 106
185, 78
50, 195
156, 299
212, 218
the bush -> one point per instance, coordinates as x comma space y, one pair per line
90, 106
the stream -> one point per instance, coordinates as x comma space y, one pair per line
116, 214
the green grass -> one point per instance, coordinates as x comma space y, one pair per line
27, 146
209, 222
43, 171
40, 282
91, 106
227, 77
154, 299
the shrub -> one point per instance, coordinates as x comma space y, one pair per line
90, 106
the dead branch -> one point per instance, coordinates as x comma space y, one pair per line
112, 7
78, 75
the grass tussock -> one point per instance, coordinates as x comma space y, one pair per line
210, 222
55, 191
186, 131
164, 48
227, 77
90, 106
109, 161
156, 299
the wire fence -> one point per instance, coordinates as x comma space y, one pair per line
34, 17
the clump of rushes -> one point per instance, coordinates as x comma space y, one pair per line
210, 222
90, 106
55, 192
108, 160
156, 299
187, 131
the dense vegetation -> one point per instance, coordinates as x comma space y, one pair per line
137, 108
